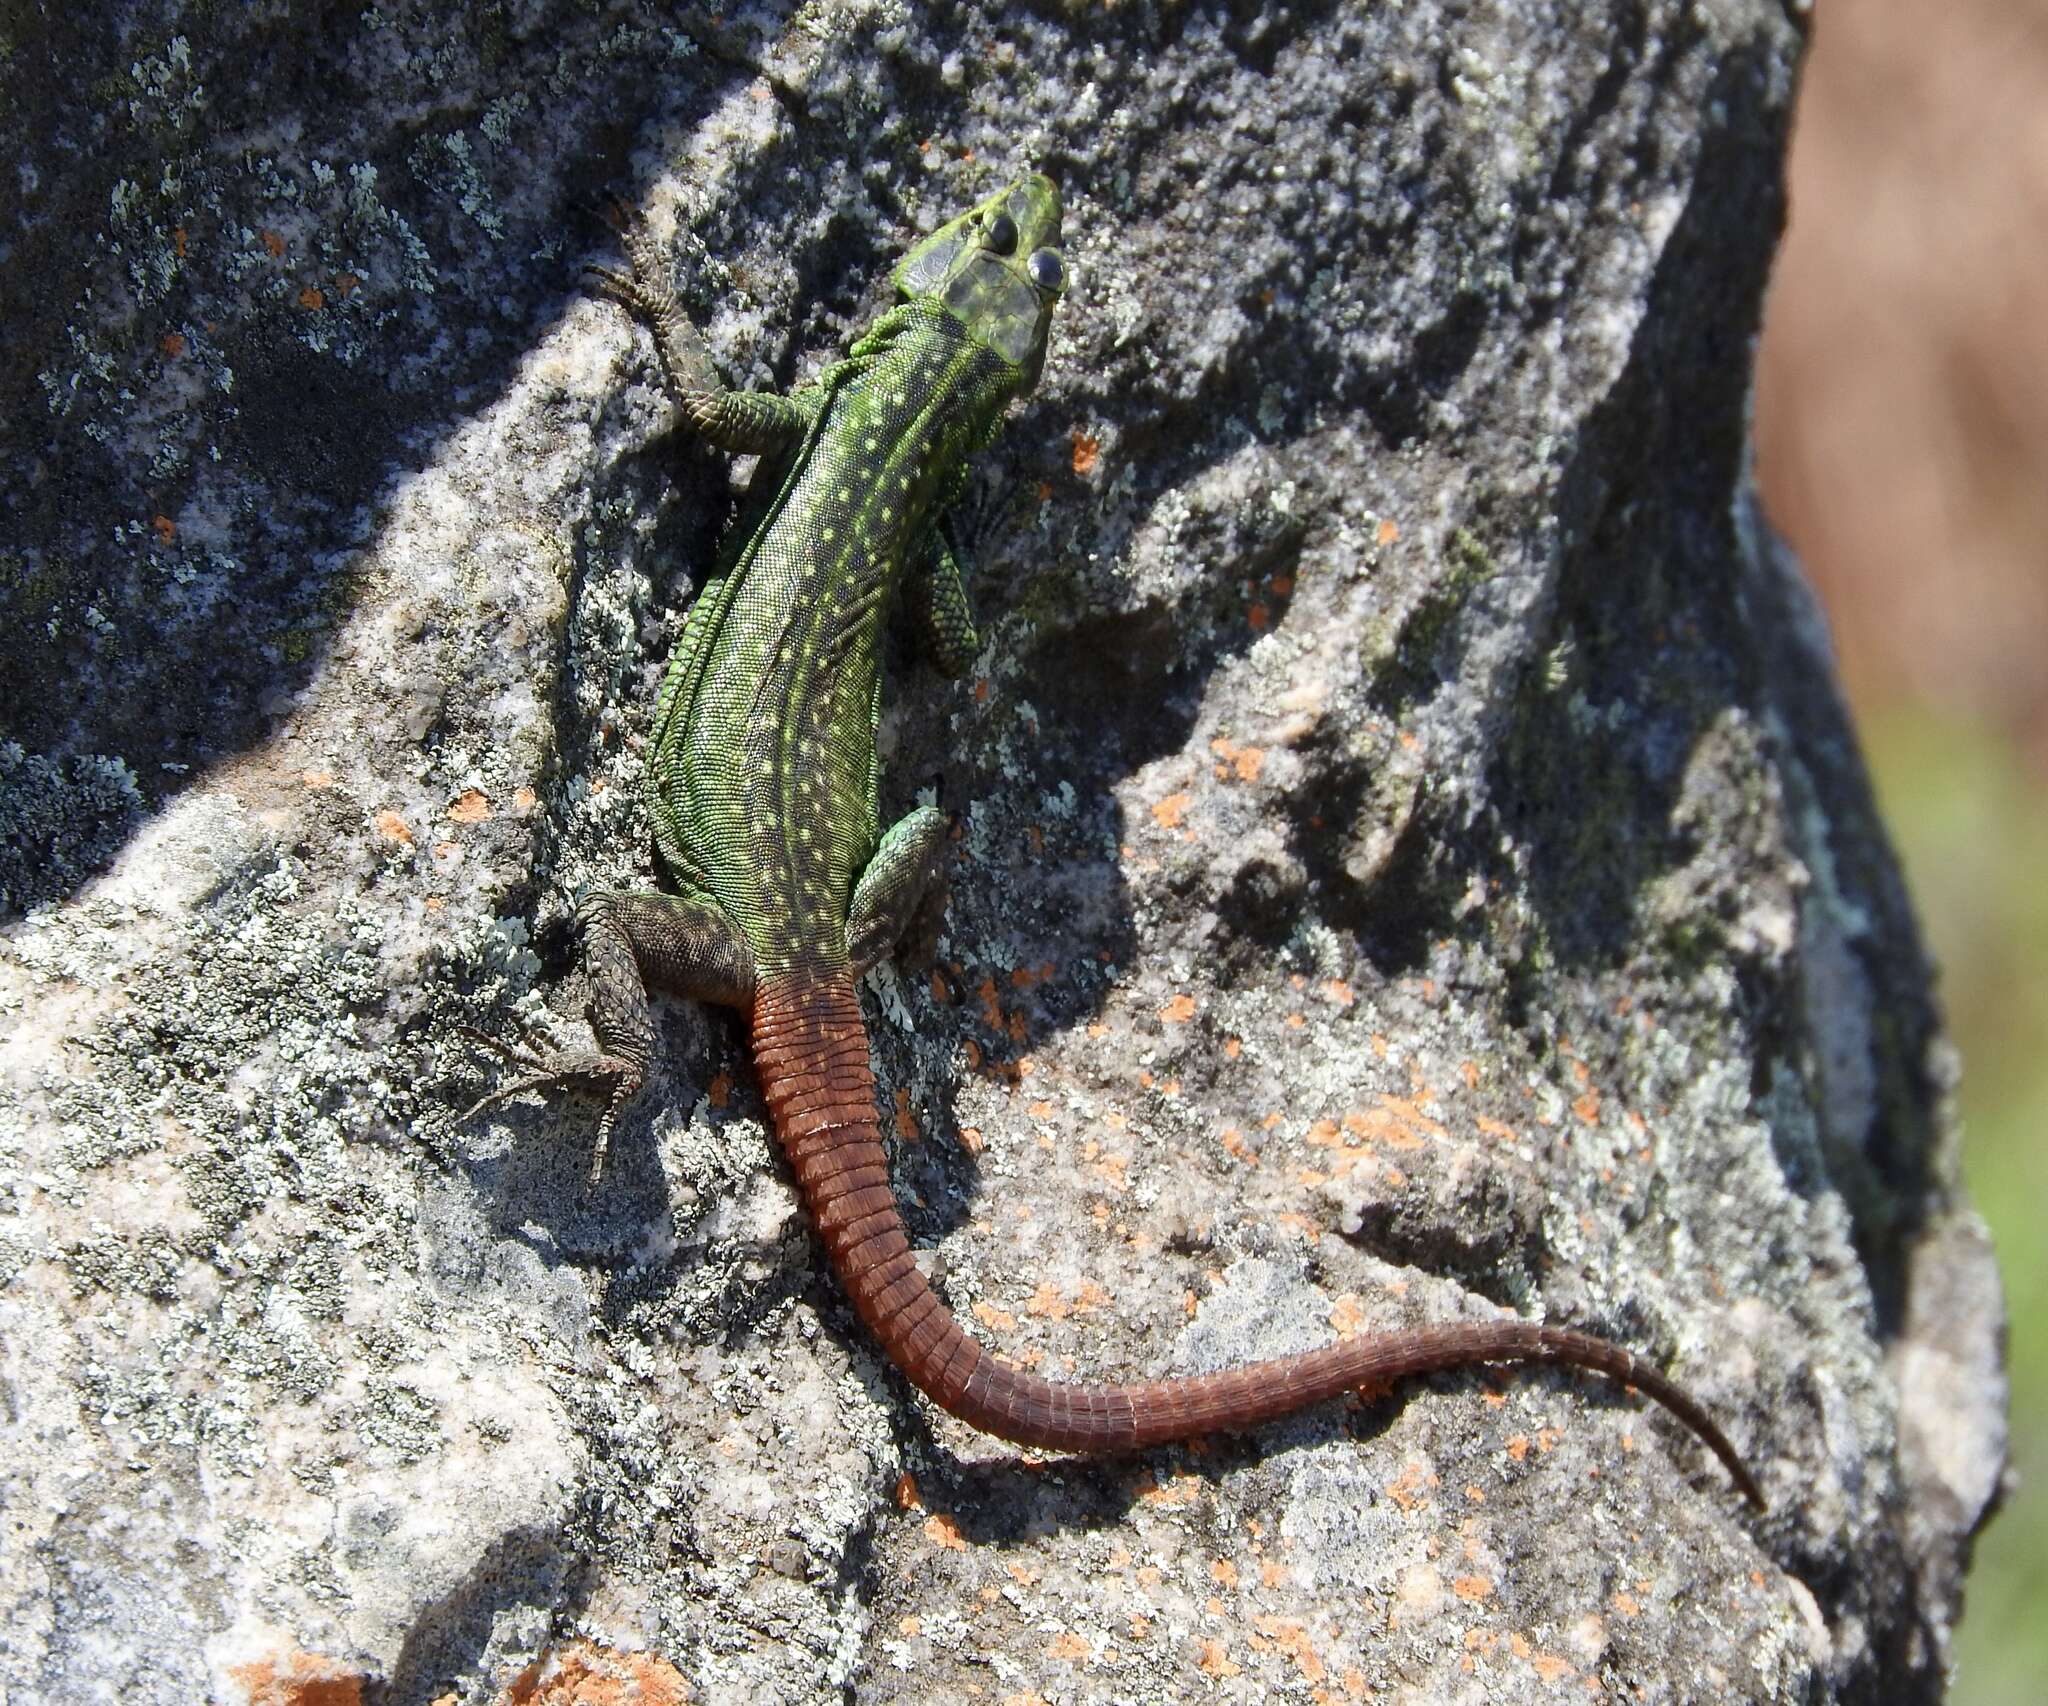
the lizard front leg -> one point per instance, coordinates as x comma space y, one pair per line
682, 944
741, 422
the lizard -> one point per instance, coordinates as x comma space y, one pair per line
783, 890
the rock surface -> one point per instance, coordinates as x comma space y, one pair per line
1413, 865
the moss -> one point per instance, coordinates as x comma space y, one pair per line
1408, 672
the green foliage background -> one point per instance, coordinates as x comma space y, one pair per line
1970, 817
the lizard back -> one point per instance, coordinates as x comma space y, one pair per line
763, 787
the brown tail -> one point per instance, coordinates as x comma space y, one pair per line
811, 1051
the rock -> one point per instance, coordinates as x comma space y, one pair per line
1414, 865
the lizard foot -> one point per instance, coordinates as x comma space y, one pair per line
607, 1075
642, 291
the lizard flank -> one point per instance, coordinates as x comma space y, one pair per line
784, 888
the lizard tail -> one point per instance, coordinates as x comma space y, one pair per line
811, 1052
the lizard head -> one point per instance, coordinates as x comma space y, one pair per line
997, 269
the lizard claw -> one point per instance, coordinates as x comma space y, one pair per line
617, 1079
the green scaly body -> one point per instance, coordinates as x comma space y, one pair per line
762, 780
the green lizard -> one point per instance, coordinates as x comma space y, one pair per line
762, 788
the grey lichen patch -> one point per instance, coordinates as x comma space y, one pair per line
60, 818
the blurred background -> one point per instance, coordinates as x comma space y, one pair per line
1902, 437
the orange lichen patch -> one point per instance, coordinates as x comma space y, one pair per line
1471, 1589
1340, 992
178, 238
1301, 1225
471, 806
1047, 1302
908, 1498
1179, 1010
1234, 1144
273, 242
1258, 616
1550, 1666
1295, 1021
1243, 762
392, 827
1518, 1447
906, 1121
1410, 1488
1290, 1635
991, 1004
1587, 1107
172, 343
1111, 1170
1216, 1660
1323, 1134
164, 528
1399, 1122
1625, 1603
317, 778
1274, 1574
1068, 1646
312, 297
586, 1674
1476, 1494
1087, 453
1224, 1573
1347, 1315
1090, 1298
971, 1139
1387, 532
1469, 1071
944, 1531
346, 282
299, 1679
990, 1316
1495, 1130
1181, 1490
981, 690
910, 1627
719, 1091
524, 800
1167, 813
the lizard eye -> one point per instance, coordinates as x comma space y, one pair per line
1002, 235
1045, 270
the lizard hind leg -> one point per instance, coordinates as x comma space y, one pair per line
900, 900
683, 944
